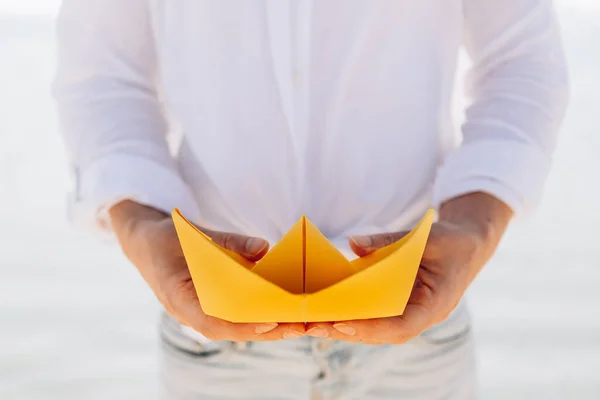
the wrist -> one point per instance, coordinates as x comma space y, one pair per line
481, 214
128, 218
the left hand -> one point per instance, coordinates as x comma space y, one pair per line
459, 245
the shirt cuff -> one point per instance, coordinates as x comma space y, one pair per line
119, 177
513, 172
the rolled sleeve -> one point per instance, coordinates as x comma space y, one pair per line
512, 172
119, 177
518, 88
112, 119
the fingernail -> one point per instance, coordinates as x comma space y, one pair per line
362, 241
292, 335
265, 328
255, 246
319, 332
345, 329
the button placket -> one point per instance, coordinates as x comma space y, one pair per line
299, 75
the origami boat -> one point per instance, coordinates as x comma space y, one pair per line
304, 278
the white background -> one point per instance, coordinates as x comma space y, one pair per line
76, 322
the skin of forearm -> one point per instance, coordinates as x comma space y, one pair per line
482, 214
127, 219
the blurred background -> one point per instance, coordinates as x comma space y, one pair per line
76, 321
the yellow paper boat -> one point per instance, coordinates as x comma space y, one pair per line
304, 278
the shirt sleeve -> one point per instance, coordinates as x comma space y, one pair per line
112, 120
518, 87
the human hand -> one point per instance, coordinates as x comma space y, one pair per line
459, 245
148, 238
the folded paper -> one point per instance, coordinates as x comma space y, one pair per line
304, 278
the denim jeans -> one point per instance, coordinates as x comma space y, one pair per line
437, 365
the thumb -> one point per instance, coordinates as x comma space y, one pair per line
251, 248
365, 245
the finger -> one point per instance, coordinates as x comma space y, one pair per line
394, 330
217, 329
364, 245
254, 332
426, 303
251, 248
326, 330
182, 302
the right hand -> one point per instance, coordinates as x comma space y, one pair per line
148, 238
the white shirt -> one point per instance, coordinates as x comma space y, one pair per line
335, 109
